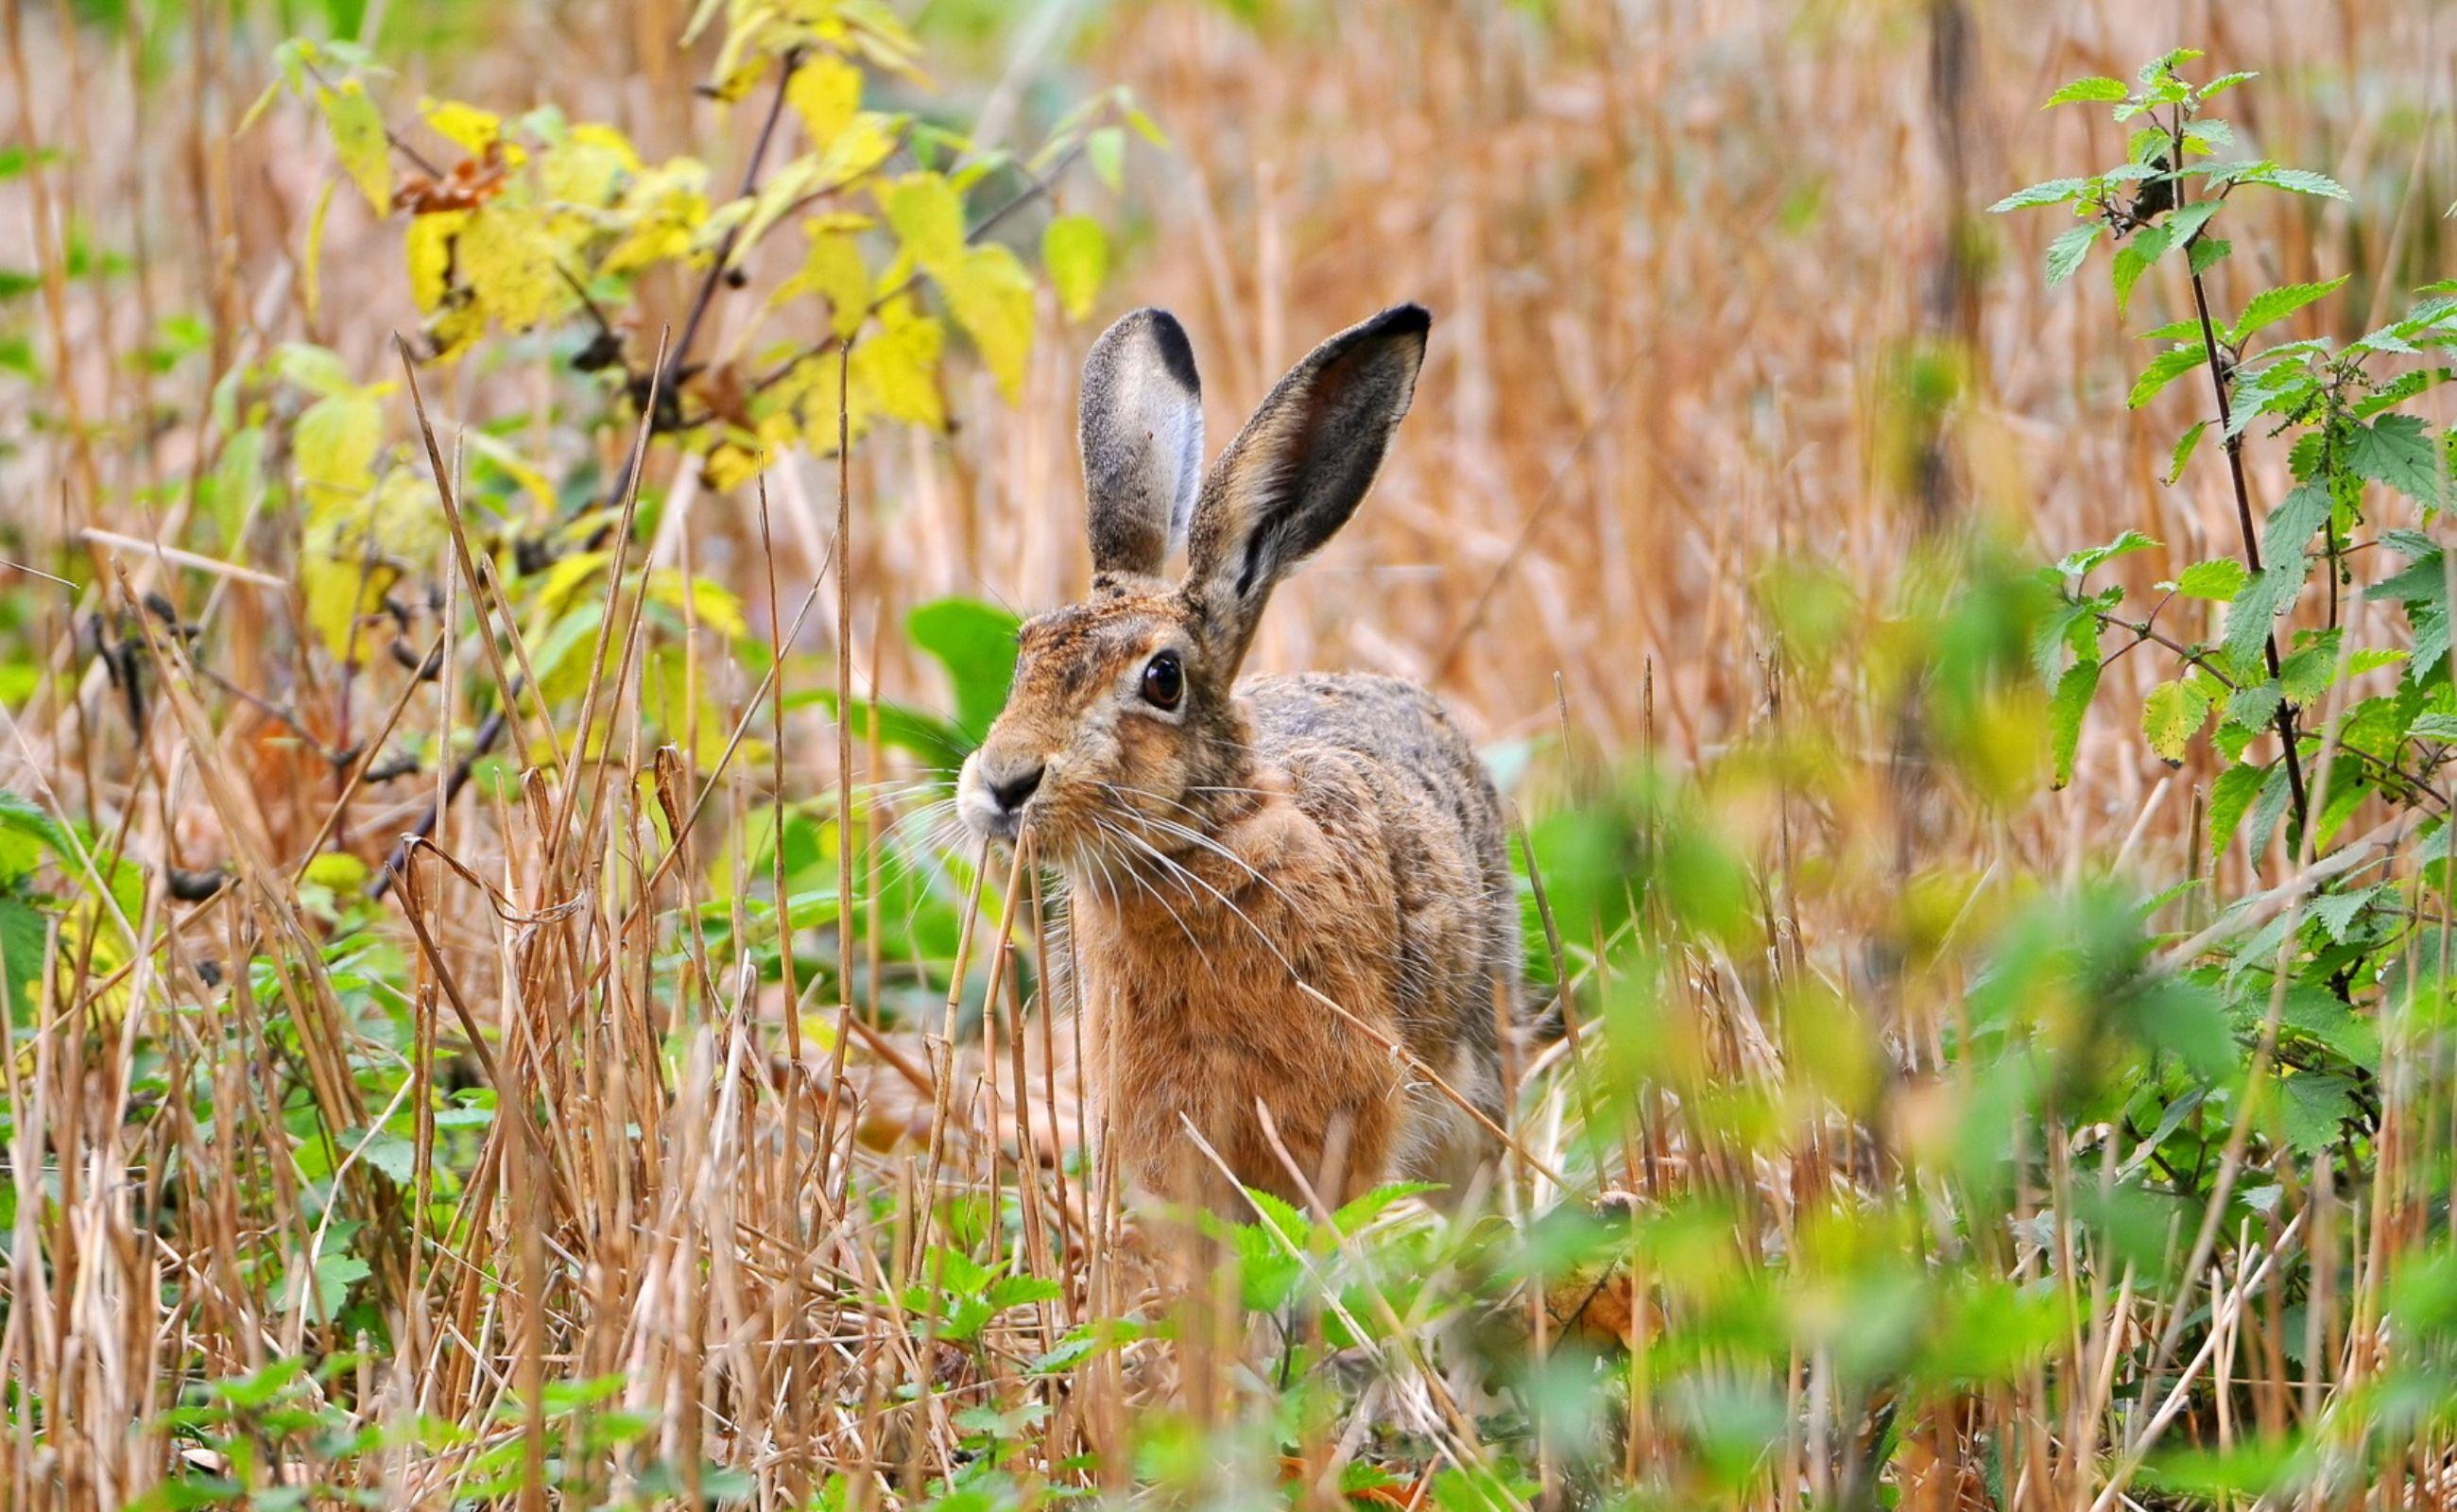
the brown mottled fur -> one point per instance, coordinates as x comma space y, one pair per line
1330, 832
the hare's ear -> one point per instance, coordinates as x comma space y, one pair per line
1294, 474
1141, 430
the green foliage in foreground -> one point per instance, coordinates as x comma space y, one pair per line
1854, 1151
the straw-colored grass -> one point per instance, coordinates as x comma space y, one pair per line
1680, 260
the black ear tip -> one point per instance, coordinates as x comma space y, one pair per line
1167, 339
1402, 319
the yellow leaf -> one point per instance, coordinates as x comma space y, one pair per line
866, 141
1075, 251
355, 550
334, 446
507, 255
589, 167
928, 218
825, 91
990, 295
311, 262
711, 606
430, 248
665, 206
465, 126
896, 371
357, 130
731, 462
834, 271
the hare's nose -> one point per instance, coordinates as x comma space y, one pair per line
1012, 791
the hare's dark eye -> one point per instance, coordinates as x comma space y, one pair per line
1164, 682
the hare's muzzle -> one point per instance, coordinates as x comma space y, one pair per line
993, 793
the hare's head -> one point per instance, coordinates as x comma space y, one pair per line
1121, 719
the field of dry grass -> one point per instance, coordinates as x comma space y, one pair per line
1732, 376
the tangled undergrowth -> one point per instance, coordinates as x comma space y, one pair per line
464, 1047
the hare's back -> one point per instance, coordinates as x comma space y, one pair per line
1347, 738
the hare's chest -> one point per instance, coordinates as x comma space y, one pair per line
1228, 1060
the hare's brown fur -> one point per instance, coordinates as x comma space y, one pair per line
1240, 855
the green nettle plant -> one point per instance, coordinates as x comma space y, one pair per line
2319, 712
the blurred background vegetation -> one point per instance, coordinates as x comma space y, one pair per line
1944, 1097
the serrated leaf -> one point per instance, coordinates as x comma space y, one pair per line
825, 91
2052, 192
334, 445
509, 258
833, 269
2207, 252
2186, 445
2132, 260
2265, 597
2314, 1106
2396, 451
2091, 558
2097, 87
2304, 509
894, 371
928, 219
2272, 305
2255, 705
2275, 791
357, 130
465, 126
2296, 180
2231, 797
2066, 706
2337, 911
2066, 253
1075, 251
2221, 579
2173, 714
990, 295
2164, 369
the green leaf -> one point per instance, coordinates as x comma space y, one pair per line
2304, 509
2053, 191
2265, 597
2313, 1108
2337, 911
2097, 87
2065, 254
2293, 180
2254, 706
2164, 369
2083, 562
2207, 252
2186, 445
2174, 713
1075, 252
1106, 148
23, 937
1357, 1214
975, 643
2396, 451
2132, 260
357, 130
2231, 797
2272, 305
2066, 706
2221, 579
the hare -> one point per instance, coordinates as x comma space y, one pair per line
1290, 901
